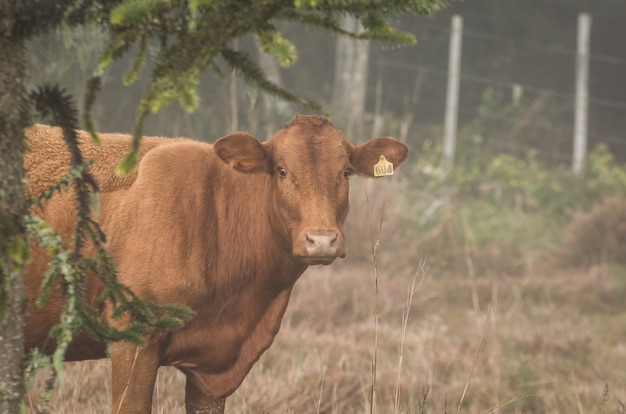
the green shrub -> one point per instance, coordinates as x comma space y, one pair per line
505, 180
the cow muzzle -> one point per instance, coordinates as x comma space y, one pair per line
320, 247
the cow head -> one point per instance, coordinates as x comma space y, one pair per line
309, 163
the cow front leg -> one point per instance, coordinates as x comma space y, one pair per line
207, 407
198, 402
133, 374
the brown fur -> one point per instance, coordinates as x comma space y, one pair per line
225, 229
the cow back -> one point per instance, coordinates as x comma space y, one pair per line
47, 159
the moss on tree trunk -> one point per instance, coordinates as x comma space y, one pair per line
13, 246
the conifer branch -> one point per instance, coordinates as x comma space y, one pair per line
253, 74
93, 87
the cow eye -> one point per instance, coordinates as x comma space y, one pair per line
347, 172
282, 172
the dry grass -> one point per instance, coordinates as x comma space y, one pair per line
597, 236
549, 340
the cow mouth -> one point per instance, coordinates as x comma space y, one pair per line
321, 260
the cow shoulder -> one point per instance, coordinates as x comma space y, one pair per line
179, 159
108, 155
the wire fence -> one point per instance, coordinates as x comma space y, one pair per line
517, 95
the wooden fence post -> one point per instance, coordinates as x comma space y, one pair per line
452, 97
582, 94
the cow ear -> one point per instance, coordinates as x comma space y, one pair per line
243, 152
366, 155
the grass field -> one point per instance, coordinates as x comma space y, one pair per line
533, 336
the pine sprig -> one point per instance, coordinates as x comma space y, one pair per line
93, 87
274, 44
318, 20
253, 74
138, 63
119, 43
135, 11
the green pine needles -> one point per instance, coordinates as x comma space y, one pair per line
186, 37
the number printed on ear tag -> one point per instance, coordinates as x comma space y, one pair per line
383, 167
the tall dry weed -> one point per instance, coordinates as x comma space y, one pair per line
369, 201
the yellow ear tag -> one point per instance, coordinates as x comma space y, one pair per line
383, 167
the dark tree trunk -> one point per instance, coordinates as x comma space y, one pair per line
12, 210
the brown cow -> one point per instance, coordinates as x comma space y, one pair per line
225, 229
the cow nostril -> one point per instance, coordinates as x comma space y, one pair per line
308, 239
314, 241
321, 245
333, 241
